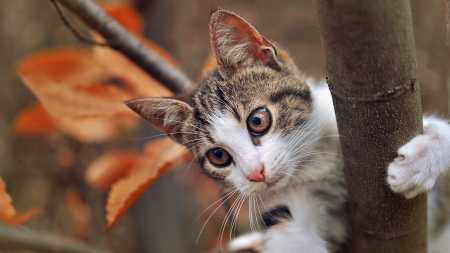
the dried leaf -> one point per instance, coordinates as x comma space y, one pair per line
125, 14
72, 84
110, 167
34, 120
67, 83
8, 213
97, 129
158, 157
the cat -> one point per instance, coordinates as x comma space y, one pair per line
259, 128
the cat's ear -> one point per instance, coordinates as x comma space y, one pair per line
166, 114
237, 44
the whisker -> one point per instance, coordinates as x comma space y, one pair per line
291, 175
179, 145
256, 216
226, 194
227, 216
260, 215
193, 159
158, 135
265, 207
235, 217
229, 196
250, 215
306, 144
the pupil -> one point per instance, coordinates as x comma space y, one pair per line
218, 153
256, 120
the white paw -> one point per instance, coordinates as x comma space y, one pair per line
254, 242
421, 161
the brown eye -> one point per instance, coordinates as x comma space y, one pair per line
219, 157
259, 121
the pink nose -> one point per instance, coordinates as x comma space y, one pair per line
257, 175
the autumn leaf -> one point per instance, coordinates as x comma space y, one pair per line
124, 14
158, 157
34, 120
84, 91
8, 213
60, 81
110, 167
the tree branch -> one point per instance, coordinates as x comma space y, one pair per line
372, 75
127, 44
16, 238
74, 30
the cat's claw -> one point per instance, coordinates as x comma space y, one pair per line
421, 161
254, 243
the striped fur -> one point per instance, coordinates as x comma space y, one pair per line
304, 191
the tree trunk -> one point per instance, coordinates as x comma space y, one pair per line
372, 75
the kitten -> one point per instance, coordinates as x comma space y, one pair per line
259, 129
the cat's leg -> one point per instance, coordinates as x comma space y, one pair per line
422, 160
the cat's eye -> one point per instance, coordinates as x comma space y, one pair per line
259, 121
219, 157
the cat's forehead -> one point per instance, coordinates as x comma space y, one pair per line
285, 95
249, 89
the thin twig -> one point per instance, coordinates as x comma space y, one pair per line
74, 30
25, 239
122, 41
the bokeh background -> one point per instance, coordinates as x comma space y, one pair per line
41, 170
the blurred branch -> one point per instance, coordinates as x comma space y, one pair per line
73, 29
119, 39
16, 238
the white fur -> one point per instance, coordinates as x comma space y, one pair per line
301, 234
295, 190
422, 160
255, 241
273, 153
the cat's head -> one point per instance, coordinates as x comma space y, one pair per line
245, 122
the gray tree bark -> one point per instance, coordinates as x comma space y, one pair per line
372, 75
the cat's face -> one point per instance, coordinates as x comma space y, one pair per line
246, 122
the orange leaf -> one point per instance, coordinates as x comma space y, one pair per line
110, 167
70, 84
124, 14
8, 213
209, 65
158, 157
34, 120
97, 129
67, 83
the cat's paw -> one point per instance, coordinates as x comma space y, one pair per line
422, 160
253, 243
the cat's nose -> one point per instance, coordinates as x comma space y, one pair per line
257, 175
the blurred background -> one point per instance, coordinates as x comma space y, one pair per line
44, 170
